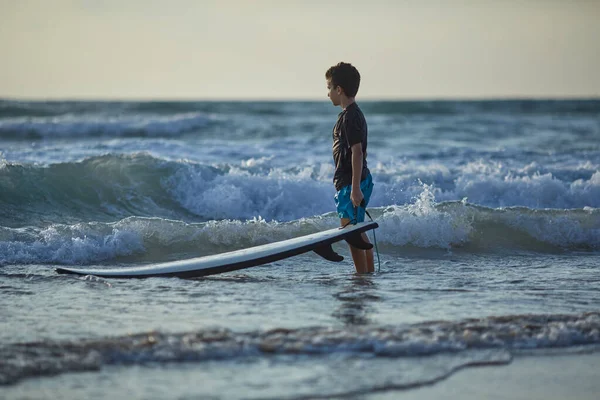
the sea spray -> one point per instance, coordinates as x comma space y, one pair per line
422, 224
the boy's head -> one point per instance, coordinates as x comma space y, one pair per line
342, 80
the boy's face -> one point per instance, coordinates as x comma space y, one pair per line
333, 92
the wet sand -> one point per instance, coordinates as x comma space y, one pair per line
554, 377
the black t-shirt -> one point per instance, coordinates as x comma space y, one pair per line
350, 128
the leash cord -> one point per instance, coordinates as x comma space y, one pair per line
375, 240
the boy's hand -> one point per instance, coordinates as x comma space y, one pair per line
356, 197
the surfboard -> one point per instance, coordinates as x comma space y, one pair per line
319, 242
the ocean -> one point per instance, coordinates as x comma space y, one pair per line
489, 246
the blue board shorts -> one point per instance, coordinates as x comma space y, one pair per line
344, 206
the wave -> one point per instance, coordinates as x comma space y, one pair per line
112, 187
470, 337
509, 106
460, 225
99, 188
18, 109
138, 207
77, 125
77, 119
15, 109
455, 226
495, 184
135, 207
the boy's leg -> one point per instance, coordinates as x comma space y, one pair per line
369, 255
363, 259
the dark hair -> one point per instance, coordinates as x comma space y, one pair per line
345, 76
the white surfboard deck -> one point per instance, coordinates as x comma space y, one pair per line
231, 261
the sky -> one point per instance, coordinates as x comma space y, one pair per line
264, 49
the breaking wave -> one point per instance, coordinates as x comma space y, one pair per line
448, 226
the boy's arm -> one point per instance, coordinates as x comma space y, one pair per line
356, 194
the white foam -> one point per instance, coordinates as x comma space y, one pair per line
63, 244
491, 184
497, 185
239, 194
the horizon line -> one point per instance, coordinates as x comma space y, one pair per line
300, 99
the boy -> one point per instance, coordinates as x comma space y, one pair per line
352, 178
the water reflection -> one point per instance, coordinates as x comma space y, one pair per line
356, 301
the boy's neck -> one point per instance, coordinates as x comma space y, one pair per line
346, 101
